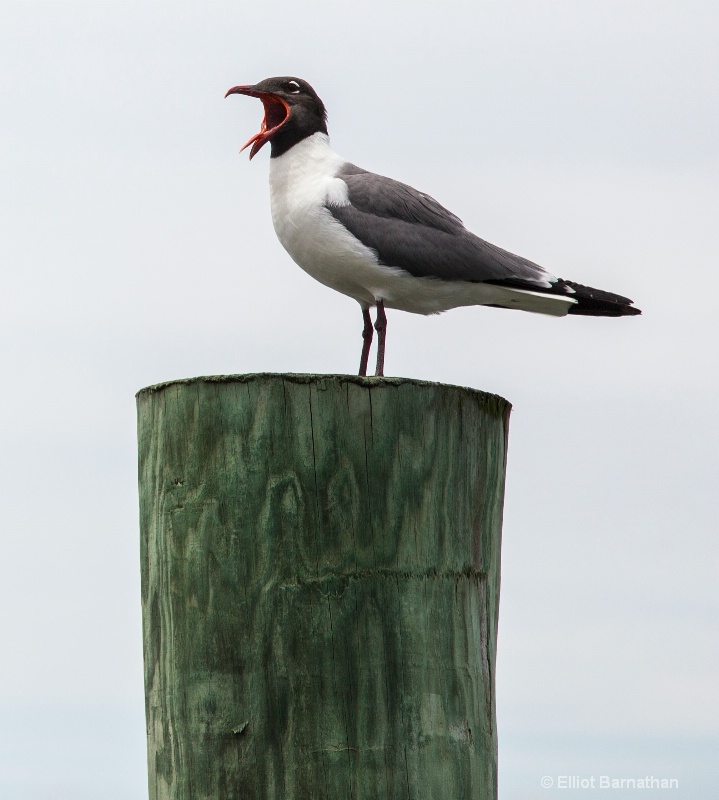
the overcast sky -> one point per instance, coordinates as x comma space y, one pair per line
136, 246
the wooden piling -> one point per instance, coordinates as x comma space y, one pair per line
320, 587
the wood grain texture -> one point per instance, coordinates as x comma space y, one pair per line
320, 587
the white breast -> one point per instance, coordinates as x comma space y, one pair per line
302, 181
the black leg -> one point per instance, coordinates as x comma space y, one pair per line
367, 334
381, 328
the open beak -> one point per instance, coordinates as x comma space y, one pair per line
277, 112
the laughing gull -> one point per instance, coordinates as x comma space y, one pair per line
384, 243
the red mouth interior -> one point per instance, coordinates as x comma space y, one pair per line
277, 112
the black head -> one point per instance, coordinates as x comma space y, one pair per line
293, 111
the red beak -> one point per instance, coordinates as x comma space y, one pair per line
277, 112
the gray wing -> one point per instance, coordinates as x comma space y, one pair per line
412, 231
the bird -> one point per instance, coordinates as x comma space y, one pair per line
383, 243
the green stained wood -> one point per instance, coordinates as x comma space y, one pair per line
320, 587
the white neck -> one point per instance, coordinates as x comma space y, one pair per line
308, 160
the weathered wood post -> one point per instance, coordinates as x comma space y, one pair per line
320, 586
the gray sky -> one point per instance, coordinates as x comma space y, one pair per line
137, 246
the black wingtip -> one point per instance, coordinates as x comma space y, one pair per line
596, 302
598, 309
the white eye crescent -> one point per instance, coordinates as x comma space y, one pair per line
294, 87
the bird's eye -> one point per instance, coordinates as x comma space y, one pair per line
293, 87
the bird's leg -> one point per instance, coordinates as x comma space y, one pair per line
367, 334
380, 326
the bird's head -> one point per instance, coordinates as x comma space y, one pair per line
293, 111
